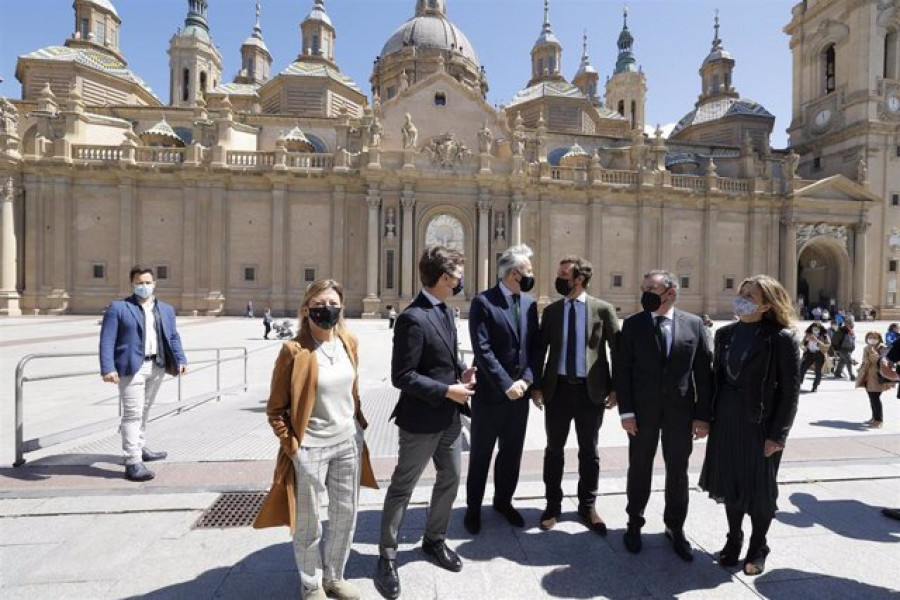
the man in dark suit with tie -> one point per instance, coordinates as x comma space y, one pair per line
575, 384
434, 388
503, 325
663, 377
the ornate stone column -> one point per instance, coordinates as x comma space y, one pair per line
9, 295
371, 303
789, 255
485, 203
516, 207
407, 259
860, 260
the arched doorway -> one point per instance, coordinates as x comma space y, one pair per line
823, 274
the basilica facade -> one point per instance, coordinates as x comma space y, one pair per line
249, 189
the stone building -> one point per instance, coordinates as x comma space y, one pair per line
251, 189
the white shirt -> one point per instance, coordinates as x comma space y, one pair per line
149, 328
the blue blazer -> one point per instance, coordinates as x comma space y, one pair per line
502, 355
122, 336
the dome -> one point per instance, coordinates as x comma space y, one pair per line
721, 108
104, 4
318, 14
432, 32
195, 31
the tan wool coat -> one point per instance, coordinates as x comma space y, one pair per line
867, 375
291, 401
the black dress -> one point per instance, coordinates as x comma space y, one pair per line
736, 470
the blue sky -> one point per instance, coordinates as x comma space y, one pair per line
672, 39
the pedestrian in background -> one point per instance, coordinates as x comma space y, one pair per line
844, 342
757, 371
892, 334
315, 413
816, 345
868, 376
138, 345
267, 322
249, 309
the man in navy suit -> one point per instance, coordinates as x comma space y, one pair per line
138, 345
435, 387
503, 325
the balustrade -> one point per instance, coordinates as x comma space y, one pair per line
97, 153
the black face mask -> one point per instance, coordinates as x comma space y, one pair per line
563, 286
459, 287
526, 284
650, 301
325, 317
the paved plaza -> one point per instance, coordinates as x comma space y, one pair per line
71, 526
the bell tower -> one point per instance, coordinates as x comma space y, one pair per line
626, 90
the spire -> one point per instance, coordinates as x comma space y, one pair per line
433, 8
196, 16
585, 57
546, 36
625, 62
546, 16
546, 54
257, 27
717, 42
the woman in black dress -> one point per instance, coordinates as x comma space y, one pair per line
757, 371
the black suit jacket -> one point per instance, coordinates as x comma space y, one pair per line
644, 376
502, 354
602, 331
424, 363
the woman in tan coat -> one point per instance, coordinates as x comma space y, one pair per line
315, 412
867, 376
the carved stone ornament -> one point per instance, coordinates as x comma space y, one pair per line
9, 118
445, 151
390, 223
807, 232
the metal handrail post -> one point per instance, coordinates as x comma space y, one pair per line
218, 374
246, 360
20, 417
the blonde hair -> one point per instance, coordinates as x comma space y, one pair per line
314, 289
781, 309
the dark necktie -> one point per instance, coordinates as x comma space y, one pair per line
516, 312
662, 336
571, 341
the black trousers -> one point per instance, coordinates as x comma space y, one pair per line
674, 422
502, 424
816, 360
875, 403
571, 402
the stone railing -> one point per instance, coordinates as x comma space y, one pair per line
308, 160
238, 158
739, 186
619, 177
694, 183
166, 156
97, 153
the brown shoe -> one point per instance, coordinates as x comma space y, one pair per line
592, 519
549, 518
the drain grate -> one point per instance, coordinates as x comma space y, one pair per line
233, 509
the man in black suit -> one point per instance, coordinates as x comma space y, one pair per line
434, 388
503, 325
663, 375
575, 384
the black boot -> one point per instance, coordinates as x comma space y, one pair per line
729, 555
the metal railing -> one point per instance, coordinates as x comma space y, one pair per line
22, 445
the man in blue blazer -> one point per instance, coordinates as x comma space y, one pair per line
138, 345
503, 325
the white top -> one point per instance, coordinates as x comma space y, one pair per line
149, 328
331, 421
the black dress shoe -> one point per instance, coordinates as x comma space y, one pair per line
472, 520
511, 514
138, 472
149, 455
731, 552
442, 555
592, 519
632, 539
387, 581
680, 545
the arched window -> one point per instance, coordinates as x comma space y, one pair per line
202, 82
890, 56
540, 69
622, 107
829, 64
715, 84
633, 114
185, 85
551, 65
315, 45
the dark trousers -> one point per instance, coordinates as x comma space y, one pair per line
677, 444
816, 360
268, 327
502, 424
843, 359
875, 402
571, 402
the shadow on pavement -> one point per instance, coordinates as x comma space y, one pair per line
793, 584
835, 424
849, 518
77, 465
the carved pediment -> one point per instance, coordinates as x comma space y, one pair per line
445, 151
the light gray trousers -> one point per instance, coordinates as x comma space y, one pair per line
136, 395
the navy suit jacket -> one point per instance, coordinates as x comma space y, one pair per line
424, 363
502, 355
122, 336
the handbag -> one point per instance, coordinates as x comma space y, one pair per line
887, 372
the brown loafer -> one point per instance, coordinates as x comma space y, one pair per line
592, 519
548, 520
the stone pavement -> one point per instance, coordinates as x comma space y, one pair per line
72, 527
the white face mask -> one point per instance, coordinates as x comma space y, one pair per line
872, 341
816, 330
744, 307
143, 290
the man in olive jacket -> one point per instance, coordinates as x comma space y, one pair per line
575, 384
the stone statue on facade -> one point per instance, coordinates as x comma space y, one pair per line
376, 130
862, 171
791, 161
518, 141
500, 231
410, 133
485, 139
390, 223
404, 81
9, 118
